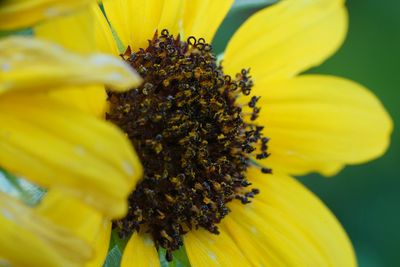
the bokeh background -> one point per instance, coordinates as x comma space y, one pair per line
365, 198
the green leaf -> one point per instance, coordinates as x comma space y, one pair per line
116, 248
113, 258
7, 184
117, 241
180, 258
121, 47
245, 4
21, 32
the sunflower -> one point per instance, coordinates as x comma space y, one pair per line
220, 141
38, 143
39, 137
24, 229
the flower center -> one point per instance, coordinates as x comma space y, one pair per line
192, 137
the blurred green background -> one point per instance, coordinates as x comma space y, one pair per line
365, 198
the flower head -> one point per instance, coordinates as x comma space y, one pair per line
202, 142
194, 139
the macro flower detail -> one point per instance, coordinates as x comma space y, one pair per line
194, 140
206, 146
39, 137
39, 236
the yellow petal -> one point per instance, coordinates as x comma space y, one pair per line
56, 146
31, 64
287, 38
83, 31
202, 18
71, 214
80, 219
205, 249
25, 13
101, 244
90, 99
319, 123
27, 239
171, 16
105, 41
136, 21
286, 225
140, 251
74, 31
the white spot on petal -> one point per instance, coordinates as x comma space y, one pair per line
101, 60
80, 151
50, 12
6, 67
115, 77
128, 168
212, 256
254, 230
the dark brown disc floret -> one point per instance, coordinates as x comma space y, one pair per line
192, 136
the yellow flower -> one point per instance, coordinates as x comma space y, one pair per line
24, 13
41, 242
87, 224
50, 142
316, 123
